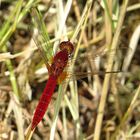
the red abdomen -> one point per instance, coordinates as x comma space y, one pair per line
44, 101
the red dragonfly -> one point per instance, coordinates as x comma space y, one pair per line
55, 70
56, 75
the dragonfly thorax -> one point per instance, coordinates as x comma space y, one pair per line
59, 62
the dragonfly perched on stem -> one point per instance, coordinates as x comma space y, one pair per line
56, 76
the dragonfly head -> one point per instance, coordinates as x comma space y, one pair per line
68, 46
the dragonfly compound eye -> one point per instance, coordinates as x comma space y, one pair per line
67, 45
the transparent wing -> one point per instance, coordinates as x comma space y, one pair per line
99, 56
82, 62
43, 55
81, 75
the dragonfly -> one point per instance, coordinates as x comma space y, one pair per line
57, 74
55, 70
